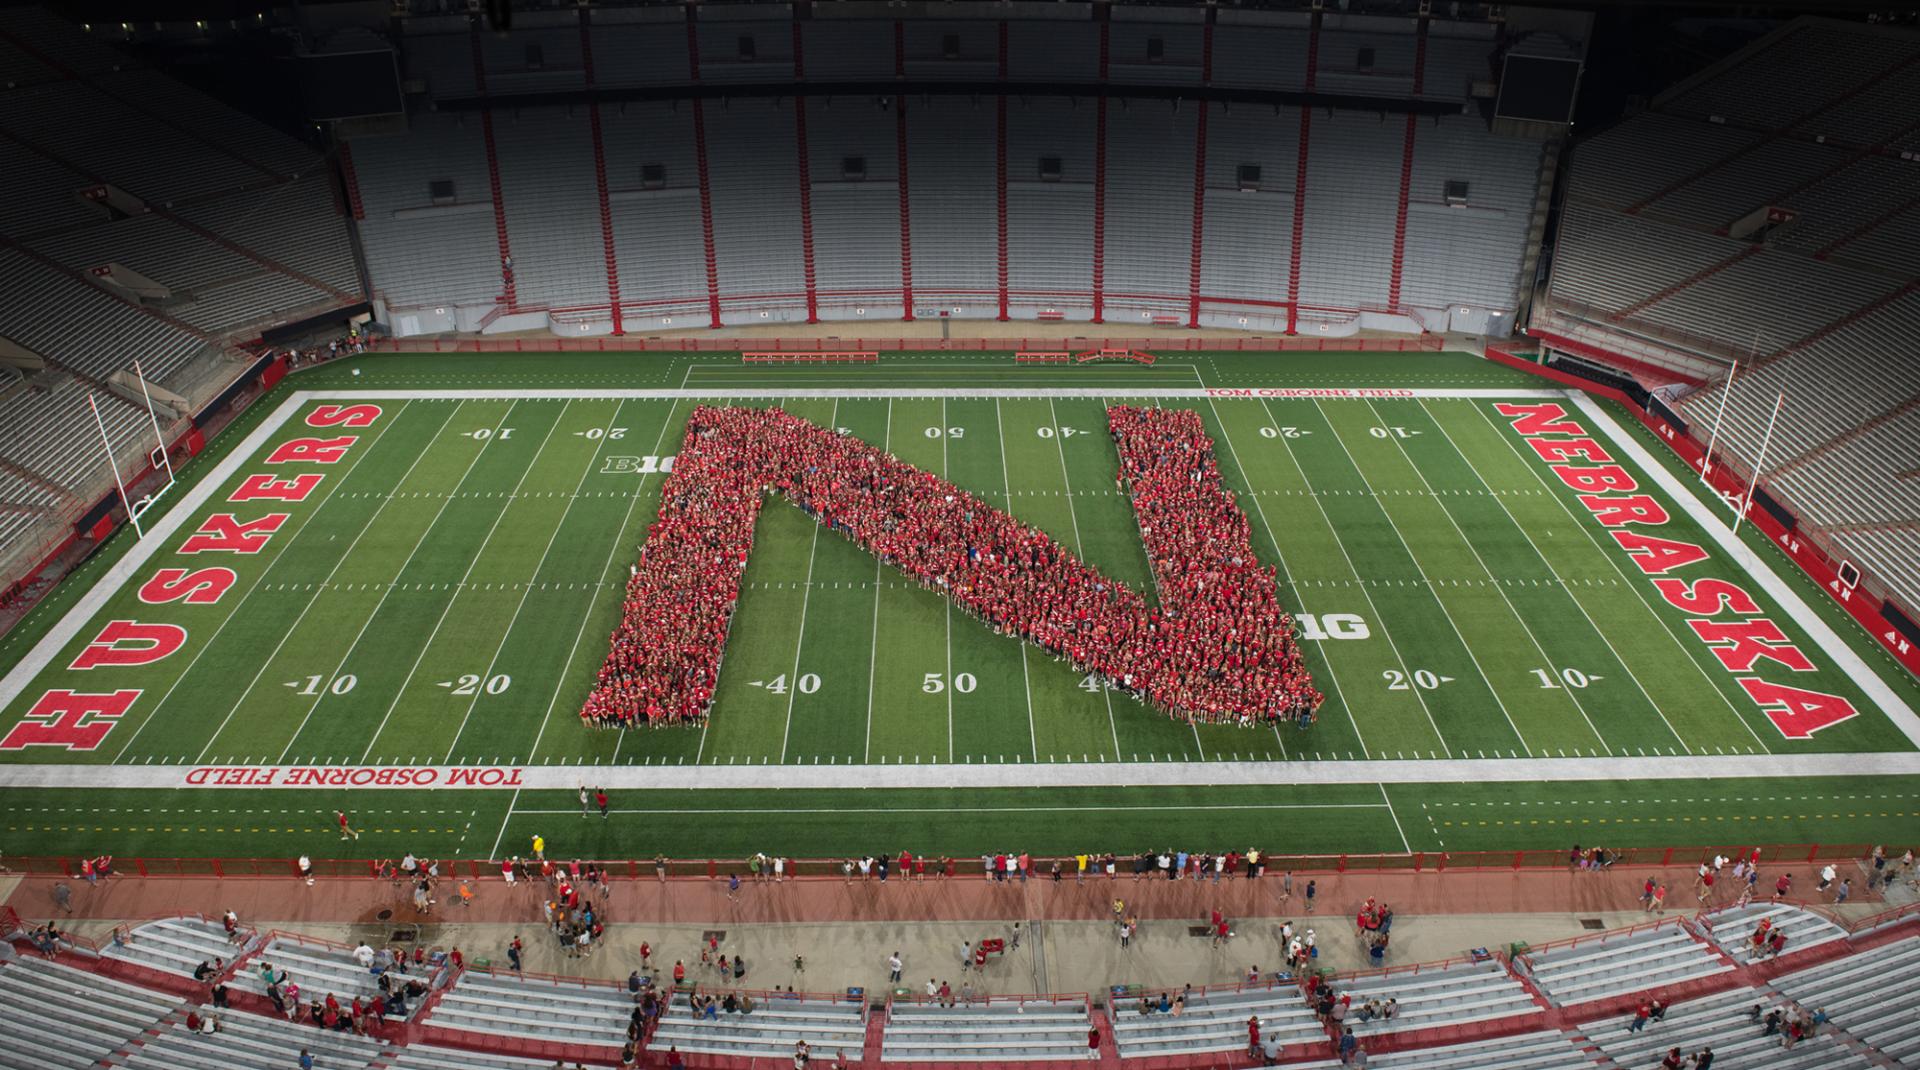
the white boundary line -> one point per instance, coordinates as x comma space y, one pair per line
1669, 768
1844, 657
754, 393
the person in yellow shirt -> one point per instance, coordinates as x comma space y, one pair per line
539, 846
1080, 867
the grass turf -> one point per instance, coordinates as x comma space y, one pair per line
447, 593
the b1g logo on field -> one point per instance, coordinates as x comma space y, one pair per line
616, 465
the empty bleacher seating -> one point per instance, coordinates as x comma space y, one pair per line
1619, 963
1720, 1022
1733, 928
429, 1057
1012, 1030
1449, 995
538, 1009
1216, 1021
775, 1024
1525, 1051
1874, 995
175, 945
58, 1016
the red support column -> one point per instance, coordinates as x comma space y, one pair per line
1200, 175
700, 167
900, 143
508, 292
600, 174
1100, 182
1300, 181
1406, 170
1000, 178
351, 181
805, 173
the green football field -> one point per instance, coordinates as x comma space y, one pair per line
442, 597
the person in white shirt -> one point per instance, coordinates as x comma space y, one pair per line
364, 956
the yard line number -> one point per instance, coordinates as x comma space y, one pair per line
934, 683
1424, 679
1572, 678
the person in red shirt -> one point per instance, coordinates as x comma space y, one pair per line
1253, 1035
679, 973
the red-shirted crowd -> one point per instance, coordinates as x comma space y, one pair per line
1219, 648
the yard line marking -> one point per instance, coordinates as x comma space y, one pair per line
1513, 609
1471, 656
1404, 845
873, 656
460, 587
366, 447
1557, 575
806, 591
304, 610
401, 571
1693, 654
606, 436
1006, 499
494, 853
1373, 611
944, 470
1132, 808
1080, 548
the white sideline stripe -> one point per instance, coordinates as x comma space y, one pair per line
1844, 657
1062, 775
719, 391
116, 576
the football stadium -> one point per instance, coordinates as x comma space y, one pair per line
549, 534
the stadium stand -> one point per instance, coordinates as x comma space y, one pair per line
1451, 994
175, 945
78, 1018
539, 1009
429, 1057
1721, 1022
1616, 963
251, 1042
1666, 254
319, 967
1874, 995
143, 221
770, 1030
1035, 204
1002, 1029
1216, 1021
1733, 928
1524, 1051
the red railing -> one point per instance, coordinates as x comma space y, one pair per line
965, 868
1425, 343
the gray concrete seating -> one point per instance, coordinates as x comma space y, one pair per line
429, 1057
252, 1042
1733, 928
1455, 995
1023, 1031
771, 1030
1720, 1022
175, 945
316, 968
1548, 1050
1612, 965
1875, 995
1216, 1021
537, 1009
57, 1016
